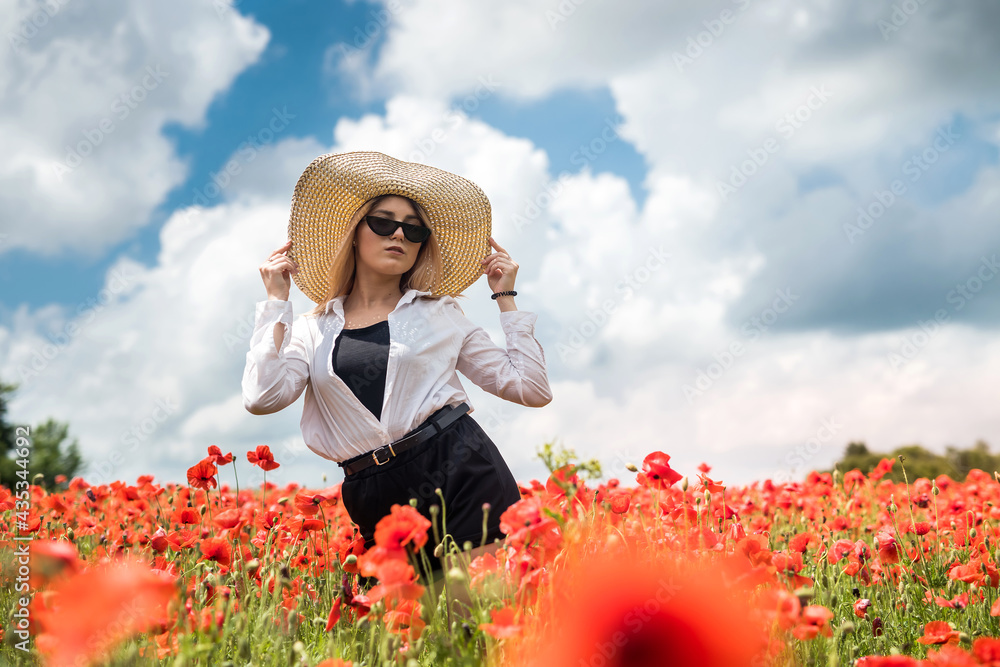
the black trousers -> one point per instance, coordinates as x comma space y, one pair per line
462, 461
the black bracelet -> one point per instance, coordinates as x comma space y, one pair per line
507, 293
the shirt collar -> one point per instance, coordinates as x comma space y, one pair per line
337, 303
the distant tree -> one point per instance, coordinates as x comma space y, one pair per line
978, 457
46, 453
919, 462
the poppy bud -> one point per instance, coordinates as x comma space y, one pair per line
455, 574
467, 546
439, 549
413, 502
253, 566
351, 560
973, 533
631, 467
684, 483
934, 488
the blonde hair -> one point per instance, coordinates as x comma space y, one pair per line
423, 275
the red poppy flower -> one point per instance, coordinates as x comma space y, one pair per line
334, 616
159, 540
397, 580
229, 518
404, 525
656, 471
263, 458
800, 543
186, 515
202, 474
620, 502
503, 625
887, 661
814, 621
987, 650
861, 607
883, 468
181, 539
888, 549
217, 549
308, 503
86, 615
939, 632
650, 612
710, 485
51, 558
526, 523
215, 454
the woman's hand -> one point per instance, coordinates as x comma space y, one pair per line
499, 268
275, 273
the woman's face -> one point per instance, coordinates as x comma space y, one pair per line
393, 254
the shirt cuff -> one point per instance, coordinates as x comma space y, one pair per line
270, 313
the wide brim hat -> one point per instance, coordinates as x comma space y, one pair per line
335, 185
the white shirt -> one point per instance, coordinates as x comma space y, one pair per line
429, 340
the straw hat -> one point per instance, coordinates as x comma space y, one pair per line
335, 185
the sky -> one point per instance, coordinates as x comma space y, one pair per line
753, 231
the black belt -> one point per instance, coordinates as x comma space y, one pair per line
436, 423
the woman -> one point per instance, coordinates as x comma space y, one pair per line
383, 247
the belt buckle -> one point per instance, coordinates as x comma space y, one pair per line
391, 453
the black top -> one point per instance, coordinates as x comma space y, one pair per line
360, 357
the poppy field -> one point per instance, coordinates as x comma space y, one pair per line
659, 569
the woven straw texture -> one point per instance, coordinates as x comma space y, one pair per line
335, 185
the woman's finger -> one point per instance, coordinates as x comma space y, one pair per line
282, 249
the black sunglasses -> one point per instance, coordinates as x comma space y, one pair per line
386, 227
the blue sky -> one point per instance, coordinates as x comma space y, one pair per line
748, 156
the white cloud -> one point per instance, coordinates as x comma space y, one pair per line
87, 94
